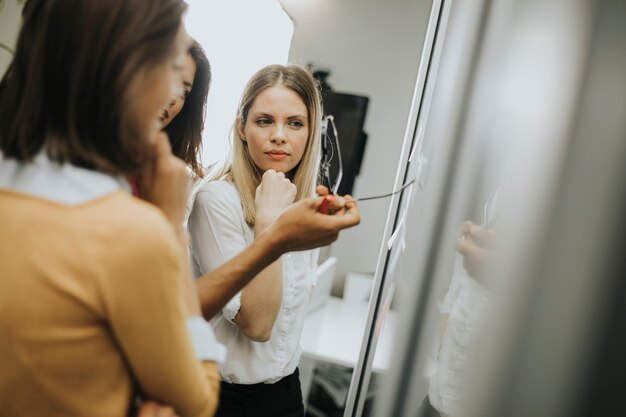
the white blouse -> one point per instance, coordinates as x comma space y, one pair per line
61, 183
467, 304
218, 232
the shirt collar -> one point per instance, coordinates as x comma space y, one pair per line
61, 183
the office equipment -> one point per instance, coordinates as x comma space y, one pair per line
349, 111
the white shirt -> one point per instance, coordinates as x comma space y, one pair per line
466, 304
71, 185
65, 184
219, 232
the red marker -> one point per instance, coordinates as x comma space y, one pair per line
323, 208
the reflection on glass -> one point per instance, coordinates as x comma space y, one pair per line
463, 311
337, 38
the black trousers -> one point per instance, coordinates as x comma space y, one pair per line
281, 399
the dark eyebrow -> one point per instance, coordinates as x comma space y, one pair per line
269, 116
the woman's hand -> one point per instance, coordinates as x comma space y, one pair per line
302, 226
165, 182
154, 409
273, 195
475, 243
335, 203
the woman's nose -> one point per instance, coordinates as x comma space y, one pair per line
279, 140
278, 136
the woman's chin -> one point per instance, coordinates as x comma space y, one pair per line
278, 168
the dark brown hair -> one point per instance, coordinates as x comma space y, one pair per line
66, 90
185, 130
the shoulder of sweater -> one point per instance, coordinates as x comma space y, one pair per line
135, 218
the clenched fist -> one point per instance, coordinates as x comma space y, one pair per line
273, 195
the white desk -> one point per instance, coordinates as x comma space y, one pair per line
334, 333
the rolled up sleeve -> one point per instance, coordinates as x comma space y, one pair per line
217, 232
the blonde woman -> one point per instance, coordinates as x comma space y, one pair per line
276, 141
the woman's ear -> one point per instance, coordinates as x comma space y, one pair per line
239, 124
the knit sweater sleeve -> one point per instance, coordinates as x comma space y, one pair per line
142, 298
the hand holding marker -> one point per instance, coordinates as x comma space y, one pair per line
329, 198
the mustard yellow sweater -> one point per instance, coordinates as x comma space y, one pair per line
91, 311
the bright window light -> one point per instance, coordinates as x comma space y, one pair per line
240, 37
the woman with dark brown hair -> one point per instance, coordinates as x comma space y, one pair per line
91, 269
183, 119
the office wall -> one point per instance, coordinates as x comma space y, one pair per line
10, 20
372, 48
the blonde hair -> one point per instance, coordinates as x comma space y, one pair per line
241, 170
